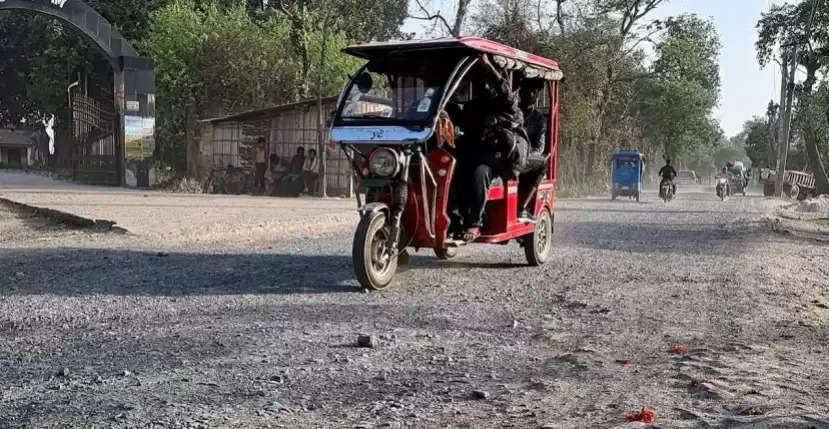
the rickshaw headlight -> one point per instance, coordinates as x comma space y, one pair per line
384, 162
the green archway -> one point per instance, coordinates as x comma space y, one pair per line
133, 112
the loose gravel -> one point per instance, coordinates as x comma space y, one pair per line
106, 330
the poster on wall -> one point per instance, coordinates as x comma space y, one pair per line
139, 137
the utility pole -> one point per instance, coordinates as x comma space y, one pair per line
786, 125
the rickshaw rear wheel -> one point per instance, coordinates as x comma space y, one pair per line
446, 254
374, 265
539, 245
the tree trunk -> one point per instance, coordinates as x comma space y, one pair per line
785, 130
810, 137
460, 17
560, 15
323, 150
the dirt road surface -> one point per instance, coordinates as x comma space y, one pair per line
111, 330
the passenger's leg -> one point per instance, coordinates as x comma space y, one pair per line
479, 189
455, 205
527, 186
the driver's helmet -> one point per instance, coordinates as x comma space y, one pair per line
725, 170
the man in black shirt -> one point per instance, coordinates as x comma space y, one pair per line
668, 174
535, 123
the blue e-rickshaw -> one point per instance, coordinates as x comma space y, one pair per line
627, 173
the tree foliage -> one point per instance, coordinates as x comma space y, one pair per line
801, 32
211, 61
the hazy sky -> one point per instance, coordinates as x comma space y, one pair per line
746, 90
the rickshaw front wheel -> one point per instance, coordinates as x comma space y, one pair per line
539, 245
374, 264
446, 254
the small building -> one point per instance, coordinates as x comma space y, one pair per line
17, 147
228, 141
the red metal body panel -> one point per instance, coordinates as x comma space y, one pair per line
439, 161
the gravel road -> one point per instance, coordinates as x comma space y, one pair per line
94, 333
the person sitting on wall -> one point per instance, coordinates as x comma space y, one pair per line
274, 175
293, 183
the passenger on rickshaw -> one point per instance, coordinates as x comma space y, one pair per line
498, 148
535, 122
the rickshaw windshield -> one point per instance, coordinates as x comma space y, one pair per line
396, 90
626, 163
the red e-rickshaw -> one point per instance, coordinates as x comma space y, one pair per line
392, 122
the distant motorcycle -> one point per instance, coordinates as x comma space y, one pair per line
666, 191
723, 188
738, 185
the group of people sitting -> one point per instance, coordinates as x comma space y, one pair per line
279, 178
504, 135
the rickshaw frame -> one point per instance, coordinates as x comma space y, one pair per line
425, 220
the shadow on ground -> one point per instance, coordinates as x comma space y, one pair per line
95, 271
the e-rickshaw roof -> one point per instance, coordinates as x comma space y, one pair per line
628, 154
370, 51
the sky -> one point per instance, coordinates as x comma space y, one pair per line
746, 89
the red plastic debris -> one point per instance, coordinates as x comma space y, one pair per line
624, 361
645, 415
679, 350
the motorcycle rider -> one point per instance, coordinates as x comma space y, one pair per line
668, 174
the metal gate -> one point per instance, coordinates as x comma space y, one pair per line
94, 143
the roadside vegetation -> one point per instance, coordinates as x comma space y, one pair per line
633, 81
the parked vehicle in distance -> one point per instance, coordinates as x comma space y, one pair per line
627, 172
796, 184
686, 177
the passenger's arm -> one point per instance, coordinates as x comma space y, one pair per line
494, 77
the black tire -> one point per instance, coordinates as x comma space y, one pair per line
538, 247
446, 254
637, 197
369, 243
613, 196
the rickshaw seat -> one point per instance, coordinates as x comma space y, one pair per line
497, 190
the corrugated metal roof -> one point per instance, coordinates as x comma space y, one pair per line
18, 137
268, 111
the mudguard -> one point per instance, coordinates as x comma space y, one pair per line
374, 208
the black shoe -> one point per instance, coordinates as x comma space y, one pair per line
526, 217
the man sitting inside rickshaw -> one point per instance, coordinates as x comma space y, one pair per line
535, 122
497, 148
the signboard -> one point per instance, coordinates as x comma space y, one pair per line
133, 106
139, 137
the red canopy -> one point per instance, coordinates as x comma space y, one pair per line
381, 49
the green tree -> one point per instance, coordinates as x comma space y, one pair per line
679, 101
801, 32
